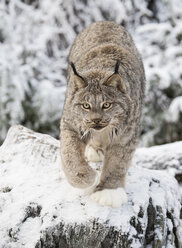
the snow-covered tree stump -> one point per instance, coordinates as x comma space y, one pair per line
164, 157
38, 208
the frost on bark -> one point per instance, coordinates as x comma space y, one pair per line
38, 208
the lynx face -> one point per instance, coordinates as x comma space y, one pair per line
100, 103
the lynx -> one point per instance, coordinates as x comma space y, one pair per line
102, 110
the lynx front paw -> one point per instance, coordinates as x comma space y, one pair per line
92, 155
110, 197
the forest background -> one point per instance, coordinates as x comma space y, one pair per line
35, 38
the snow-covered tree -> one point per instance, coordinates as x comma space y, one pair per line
35, 37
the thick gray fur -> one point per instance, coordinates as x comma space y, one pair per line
94, 80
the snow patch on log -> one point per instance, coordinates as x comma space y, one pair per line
38, 208
166, 157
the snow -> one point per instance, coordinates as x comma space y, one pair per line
31, 177
165, 157
175, 109
51, 99
37, 35
34, 45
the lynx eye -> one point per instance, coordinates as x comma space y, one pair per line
106, 105
86, 105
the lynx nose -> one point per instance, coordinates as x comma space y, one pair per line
96, 120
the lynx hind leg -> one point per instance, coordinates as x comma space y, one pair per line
92, 155
110, 197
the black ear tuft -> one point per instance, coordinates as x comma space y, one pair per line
75, 71
117, 66
77, 80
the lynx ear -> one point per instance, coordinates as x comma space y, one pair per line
77, 80
78, 83
115, 80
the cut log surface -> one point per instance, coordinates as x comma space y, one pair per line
38, 208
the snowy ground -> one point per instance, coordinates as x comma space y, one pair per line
35, 196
